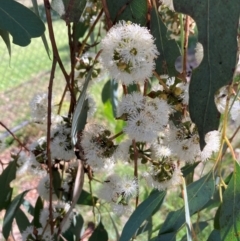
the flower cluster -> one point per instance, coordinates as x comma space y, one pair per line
129, 53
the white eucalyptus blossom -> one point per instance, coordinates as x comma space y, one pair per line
31, 233
43, 188
212, 140
59, 211
129, 53
27, 163
61, 145
98, 148
83, 66
145, 117
163, 175
39, 107
117, 190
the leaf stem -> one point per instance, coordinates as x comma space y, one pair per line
161, 81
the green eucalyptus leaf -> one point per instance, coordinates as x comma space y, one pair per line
80, 30
44, 39
168, 49
134, 11
22, 220
77, 226
229, 217
189, 168
217, 22
199, 193
99, 233
8, 174
20, 22
87, 199
5, 36
11, 213
80, 113
69, 10
214, 236
141, 213
56, 182
37, 211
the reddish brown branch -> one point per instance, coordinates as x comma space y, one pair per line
14, 137
50, 86
107, 14
54, 47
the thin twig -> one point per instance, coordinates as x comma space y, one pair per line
145, 87
50, 86
161, 81
89, 32
116, 135
107, 14
14, 137
62, 99
54, 46
125, 90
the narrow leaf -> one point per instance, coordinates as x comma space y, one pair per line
8, 174
11, 212
187, 213
5, 36
44, 39
56, 181
168, 49
77, 226
79, 116
143, 211
87, 199
99, 233
230, 209
20, 22
189, 168
134, 11
22, 220
214, 236
199, 193
215, 19
37, 211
